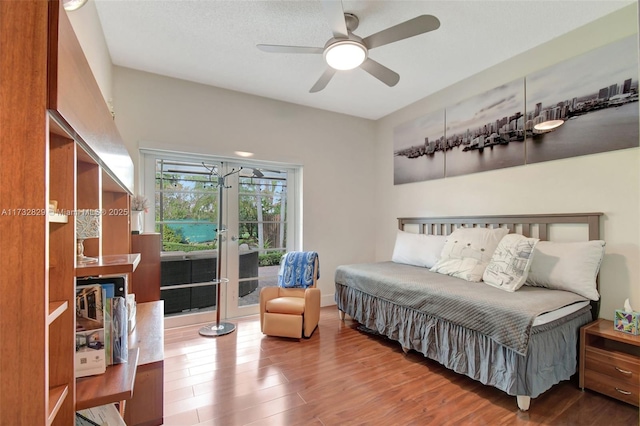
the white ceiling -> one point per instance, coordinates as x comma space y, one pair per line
214, 42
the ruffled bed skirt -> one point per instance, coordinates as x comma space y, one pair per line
550, 358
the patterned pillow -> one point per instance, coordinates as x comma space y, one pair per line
510, 262
468, 251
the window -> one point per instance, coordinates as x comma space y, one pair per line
259, 217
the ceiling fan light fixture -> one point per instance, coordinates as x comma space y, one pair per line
345, 55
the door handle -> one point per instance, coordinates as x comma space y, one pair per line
234, 238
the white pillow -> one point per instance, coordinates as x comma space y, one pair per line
510, 262
567, 266
468, 251
417, 249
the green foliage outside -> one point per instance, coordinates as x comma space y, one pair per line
191, 197
169, 246
171, 236
269, 259
175, 241
199, 203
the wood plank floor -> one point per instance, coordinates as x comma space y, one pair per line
342, 376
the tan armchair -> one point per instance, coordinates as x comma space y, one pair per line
290, 312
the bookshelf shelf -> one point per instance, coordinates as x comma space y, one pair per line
58, 218
140, 381
56, 308
57, 395
115, 385
110, 264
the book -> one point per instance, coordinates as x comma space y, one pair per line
131, 311
90, 331
113, 286
119, 329
108, 291
101, 313
119, 283
103, 415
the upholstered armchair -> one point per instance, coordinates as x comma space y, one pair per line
293, 308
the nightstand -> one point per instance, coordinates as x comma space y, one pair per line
610, 361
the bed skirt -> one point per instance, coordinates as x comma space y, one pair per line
550, 358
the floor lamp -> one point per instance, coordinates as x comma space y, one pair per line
221, 328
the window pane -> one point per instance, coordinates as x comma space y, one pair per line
262, 225
186, 205
262, 205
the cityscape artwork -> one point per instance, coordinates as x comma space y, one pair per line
419, 149
486, 132
594, 96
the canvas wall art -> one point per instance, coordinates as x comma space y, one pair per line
594, 94
486, 132
418, 149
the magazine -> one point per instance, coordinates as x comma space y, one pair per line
119, 332
90, 331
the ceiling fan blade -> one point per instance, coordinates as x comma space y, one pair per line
323, 80
334, 12
382, 73
412, 27
275, 48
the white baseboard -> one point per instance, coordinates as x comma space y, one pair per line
327, 300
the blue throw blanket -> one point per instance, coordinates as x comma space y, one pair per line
296, 269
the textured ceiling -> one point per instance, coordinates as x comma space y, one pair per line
214, 42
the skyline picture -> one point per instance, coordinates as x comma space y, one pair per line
594, 95
486, 132
418, 152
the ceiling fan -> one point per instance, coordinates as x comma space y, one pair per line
345, 50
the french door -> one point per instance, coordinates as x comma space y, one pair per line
257, 219
255, 227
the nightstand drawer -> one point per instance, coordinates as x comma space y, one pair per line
610, 361
607, 385
618, 366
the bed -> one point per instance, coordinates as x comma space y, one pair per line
522, 342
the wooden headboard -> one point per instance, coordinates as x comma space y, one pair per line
533, 225
521, 224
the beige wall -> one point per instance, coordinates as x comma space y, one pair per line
335, 150
340, 154
608, 182
86, 25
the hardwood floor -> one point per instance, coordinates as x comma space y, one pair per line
341, 376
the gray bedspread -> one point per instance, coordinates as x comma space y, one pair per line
504, 317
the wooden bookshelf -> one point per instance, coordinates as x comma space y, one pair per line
146, 406
58, 218
146, 279
57, 396
59, 142
110, 265
139, 382
115, 385
56, 309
